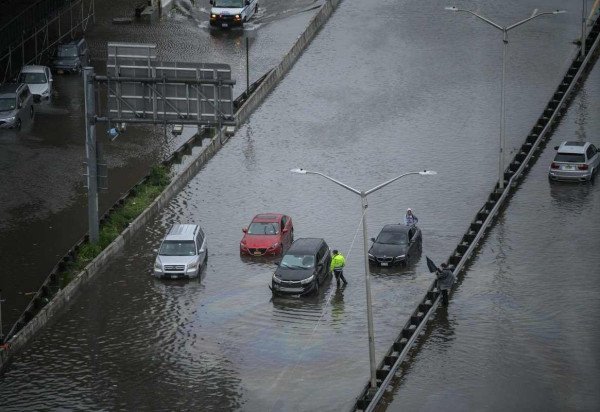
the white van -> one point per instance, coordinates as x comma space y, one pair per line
230, 13
182, 254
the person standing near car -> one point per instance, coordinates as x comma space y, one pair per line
337, 266
445, 279
410, 219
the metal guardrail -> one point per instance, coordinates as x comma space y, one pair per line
484, 219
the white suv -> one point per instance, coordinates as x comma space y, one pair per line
39, 80
575, 161
182, 253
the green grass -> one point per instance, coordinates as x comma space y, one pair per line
141, 198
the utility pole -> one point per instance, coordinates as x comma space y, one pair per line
91, 151
1, 332
247, 67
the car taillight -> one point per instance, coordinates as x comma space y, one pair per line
582, 167
554, 165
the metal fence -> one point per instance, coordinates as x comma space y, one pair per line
32, 36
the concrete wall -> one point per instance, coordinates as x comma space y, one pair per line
63, 298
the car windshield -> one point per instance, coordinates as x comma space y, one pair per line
8, 103
177, 248
261, 228
392, 238
229, 3
33, 78
67, 51
569, 157
298, 261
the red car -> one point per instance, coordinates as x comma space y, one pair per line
269, 234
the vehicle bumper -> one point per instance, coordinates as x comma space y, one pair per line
292, 288
571, 176
4, 124
40, 97
260, 251
386, 262
70, 69
226, 23
175, 275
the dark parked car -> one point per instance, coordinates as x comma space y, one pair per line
71, 56
303, 268
394, 245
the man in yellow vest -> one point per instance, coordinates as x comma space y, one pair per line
337, 266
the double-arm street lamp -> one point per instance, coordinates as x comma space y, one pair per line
504, 31
363, 195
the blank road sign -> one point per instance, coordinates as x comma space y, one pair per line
140, 87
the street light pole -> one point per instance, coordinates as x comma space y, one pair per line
1, 332
364, 203
505, 31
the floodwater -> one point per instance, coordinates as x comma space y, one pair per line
368, 100
43, 204
520, 332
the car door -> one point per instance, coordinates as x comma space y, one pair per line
321, 264
593, 156
201, 245
286, 236
412, 239
50, 80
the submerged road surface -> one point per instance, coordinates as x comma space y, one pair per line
521, 331
368, 100
43, 204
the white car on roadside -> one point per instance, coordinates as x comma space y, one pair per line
230, 13
39, 80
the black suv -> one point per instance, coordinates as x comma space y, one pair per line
303, 268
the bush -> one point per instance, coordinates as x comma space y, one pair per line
134, 205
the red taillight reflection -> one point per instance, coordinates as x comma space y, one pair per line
582, 167
554, 166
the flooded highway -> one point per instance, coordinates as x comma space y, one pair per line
520, 331
368, 100
43, 204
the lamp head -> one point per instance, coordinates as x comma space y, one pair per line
451, 8
113, 133
428, 172
300, 171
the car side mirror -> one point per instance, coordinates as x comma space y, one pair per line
555, 147
211, 2
245, 229
247, 2
373, 239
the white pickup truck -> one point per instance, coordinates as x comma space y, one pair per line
229, 13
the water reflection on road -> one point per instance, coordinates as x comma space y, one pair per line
361, 105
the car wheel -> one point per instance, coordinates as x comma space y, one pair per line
18, 124
316, 288
256, 8
31, 112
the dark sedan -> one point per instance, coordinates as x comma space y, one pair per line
394, 245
